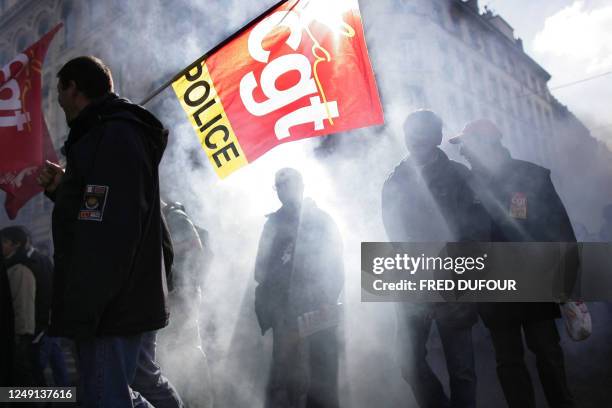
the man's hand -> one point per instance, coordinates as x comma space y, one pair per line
50, 176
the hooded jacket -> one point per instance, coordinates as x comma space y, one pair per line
107, 225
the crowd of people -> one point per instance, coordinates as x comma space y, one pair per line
123, 259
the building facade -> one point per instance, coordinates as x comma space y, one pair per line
87, 24
466, 64
446, 55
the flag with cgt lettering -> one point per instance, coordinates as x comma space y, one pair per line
299, 70
25, 143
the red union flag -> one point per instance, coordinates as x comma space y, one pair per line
300, 70
24, 140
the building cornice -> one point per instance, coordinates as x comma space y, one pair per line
513, 43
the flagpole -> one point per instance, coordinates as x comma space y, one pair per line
248, 25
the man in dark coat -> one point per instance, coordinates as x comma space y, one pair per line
427, 198
109, 285
523, 206
299, 269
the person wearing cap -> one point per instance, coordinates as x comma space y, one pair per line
522, 206
427, 198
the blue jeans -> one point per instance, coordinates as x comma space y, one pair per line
413, 332
149, 381
109, 365
49, 352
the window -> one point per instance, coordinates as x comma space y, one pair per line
486, 45
97, 9
438, 15
501, 56
415, 96
409, 6
69, 24
43, 26
448, 70
510, 63
494, 89
412, 54
455, 18
443, 45
475, 37
505, 97
469, 110
479, 80
23, 42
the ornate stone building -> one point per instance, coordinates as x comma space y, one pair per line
87, 24
447, 55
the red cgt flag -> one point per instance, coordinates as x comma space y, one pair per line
299, 70
24, 139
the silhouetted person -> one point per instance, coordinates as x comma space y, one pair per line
23, 294
427, 198
523, 206
46, 350
109, 290
299, 270
7, 327
179, 344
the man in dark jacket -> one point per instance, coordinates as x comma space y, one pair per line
109, 285
299, 269
427, 198
523, 206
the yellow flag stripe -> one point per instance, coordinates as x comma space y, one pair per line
198, 97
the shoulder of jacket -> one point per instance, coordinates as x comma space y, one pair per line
271, 217
122, 116
397, 171
461, 169
530, 168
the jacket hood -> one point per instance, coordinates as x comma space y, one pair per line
111, 107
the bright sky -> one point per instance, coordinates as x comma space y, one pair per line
572, 40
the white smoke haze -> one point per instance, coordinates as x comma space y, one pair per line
575, 43
571, 40
343, 173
